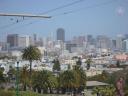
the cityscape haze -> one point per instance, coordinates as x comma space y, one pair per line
80, 17
64, 47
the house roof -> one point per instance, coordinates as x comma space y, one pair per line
95, 83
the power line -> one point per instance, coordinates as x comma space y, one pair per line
77, 10
73, 11
85, 8
48, 11
63, 6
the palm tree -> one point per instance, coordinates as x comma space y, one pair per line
2, 78
81, 78
24, 77
44, 80
67, 80
31, 53
79, 62
88, 61
56, 66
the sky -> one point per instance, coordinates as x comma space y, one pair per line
77, 17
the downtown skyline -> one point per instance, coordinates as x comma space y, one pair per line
77, 18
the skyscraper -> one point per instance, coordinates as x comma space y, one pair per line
12, 40
125, 45
24, 41
34, 39
90, 40
103, 42
119, 41
61, 34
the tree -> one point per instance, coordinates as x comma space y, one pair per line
31, 53
24, 77
44, 80
69, 66
56, 66
118, 63
79, 62
81, 78
11, 73
67, 80
104, 91
96, 90
88, 61
73, 80
2, 78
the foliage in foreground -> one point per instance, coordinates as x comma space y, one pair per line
24, 93
12, 93
105, 91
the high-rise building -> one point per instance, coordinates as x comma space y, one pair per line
4, 46
12, 40
125, 45
34, 39
91, 40
61, 34
103, 42
24, 41
126, 36
113, 42
79, 40
119, 41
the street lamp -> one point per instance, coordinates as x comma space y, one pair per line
17, 79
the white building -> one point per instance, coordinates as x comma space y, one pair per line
24, 41
119, 42
125, 45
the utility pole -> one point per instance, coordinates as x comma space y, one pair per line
17, 79
24, 15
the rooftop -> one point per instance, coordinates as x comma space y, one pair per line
95, 83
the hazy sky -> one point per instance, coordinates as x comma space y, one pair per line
77, 17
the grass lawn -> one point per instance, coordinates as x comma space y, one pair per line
27, 93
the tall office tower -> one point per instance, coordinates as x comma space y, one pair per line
90, 40
125, 45
113, 47
12, 40
24, 41
3, 46
61, 34
40, 41
126, 36
31, 41
119, 41
34, 39
103, 42
79, 40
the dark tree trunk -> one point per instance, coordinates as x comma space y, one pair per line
45, 91
58, 89
24, 87
50, 90
30, 69
63, 90
39, 90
